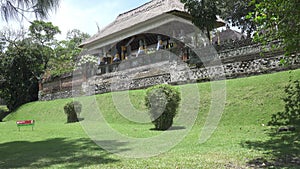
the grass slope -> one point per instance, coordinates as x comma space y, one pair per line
240, 139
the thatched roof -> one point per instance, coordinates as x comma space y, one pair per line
228, 35
139, 15
135, 16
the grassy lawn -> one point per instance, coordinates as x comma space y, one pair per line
241, 140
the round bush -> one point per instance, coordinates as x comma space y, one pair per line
162, 102
71, 109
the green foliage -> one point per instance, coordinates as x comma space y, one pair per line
236, 12
24, 61
162, 102
14, 9
76, 36
71, 110
27, 55
278, 20
203, 13
20, 66
43, 32
66, 53
87, 64
291, 113
239, 139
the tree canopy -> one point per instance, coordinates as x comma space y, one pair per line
236, 12
23, 62
278, 20
27, 56
203, 13
20, 66
269, 20
66, 53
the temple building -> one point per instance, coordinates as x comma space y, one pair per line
156, 43
227, 35
142, 31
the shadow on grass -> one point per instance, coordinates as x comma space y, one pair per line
280, 150
80, 119
58, 152
171, 128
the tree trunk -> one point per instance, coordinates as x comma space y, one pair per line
208, 34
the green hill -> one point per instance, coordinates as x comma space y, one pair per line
242, 138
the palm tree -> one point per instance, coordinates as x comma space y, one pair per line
14, 9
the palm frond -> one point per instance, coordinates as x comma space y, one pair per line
42, 8
14, 9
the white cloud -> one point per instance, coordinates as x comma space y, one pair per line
85, 15
70, 17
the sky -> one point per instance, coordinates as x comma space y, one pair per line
85, 15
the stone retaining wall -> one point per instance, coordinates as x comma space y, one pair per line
234, 63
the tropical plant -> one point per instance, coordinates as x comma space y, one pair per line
204, 13
162, 102
66, 53
23, 62
16, 9
87, 59
20, 65
71, 109
278, 20
236, 12
291, 113
43, 34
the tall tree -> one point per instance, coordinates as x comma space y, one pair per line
66, 53
203, 13
23, 62
236, 12
14, 9
76, 36
43, 34
20, 65
278, 20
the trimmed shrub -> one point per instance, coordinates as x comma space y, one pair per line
72, 109
162, 102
